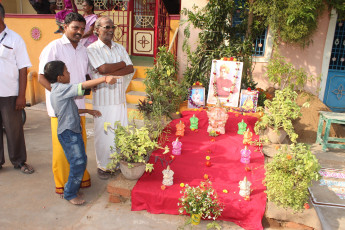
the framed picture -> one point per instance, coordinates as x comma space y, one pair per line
225, 81
249, 100
196, 97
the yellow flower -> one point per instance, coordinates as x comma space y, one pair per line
182, 185
177, 112
193, 83
208, 158
225, 191
200, 83
235, 59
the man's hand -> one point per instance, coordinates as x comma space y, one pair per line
95, 113
20, 103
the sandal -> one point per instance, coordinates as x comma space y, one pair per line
103, 175
25, 168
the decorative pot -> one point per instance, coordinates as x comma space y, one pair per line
133, 173
276, 137
175, 116
195, 219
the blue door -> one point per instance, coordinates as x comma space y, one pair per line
335, 87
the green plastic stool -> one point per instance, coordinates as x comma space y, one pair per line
329, 118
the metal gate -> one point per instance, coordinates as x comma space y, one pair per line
143, 27
162, 28
335, 87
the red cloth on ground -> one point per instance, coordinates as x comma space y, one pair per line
225, 173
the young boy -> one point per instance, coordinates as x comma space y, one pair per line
69, 130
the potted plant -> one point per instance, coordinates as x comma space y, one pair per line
200, 202
278, 116
289, 175
132, 150
164, 91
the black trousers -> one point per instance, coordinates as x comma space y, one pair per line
11, 119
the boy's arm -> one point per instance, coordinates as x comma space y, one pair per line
92, 112
92, 83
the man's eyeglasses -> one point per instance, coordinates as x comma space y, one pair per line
108, 27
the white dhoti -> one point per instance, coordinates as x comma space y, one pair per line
110, 100
105, 139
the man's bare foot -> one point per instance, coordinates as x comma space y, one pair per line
61, 196
77, 201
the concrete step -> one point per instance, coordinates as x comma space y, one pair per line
141, 71
133, 97
137, 84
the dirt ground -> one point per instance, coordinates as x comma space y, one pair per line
306, 126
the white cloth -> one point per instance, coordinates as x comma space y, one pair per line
13, 57
76, 61
110, 100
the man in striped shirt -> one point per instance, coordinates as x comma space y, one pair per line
108, 58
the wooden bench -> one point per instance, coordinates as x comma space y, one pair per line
329, 118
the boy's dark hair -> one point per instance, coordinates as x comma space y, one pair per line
2, 11
53, 69
74, 17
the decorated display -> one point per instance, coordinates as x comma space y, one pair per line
225, 82
217, 117
245, 155
242, 127
180, 129
168, 176
249, 100
247, 137
196, 97
244, 187
177, 146
194, 122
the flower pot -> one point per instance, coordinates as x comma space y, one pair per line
276, 137
133, 173
175, 116
195, 219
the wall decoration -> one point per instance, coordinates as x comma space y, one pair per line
196, 97
36, 33
225, 82
249, 100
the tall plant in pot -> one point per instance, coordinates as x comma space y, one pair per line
164, 91
279, 114
132, 150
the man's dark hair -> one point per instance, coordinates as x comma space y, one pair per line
53, 69
2, 11
74, 17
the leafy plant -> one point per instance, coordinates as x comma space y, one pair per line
202, 200
133, 145
280, 112
284, 74
294, 21
289, 175
220, 36
164, 92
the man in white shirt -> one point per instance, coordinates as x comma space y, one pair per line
73, 54
14, 61
108, 58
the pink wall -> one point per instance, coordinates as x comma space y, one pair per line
193, 40
310, 58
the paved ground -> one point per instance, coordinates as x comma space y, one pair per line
29, 201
